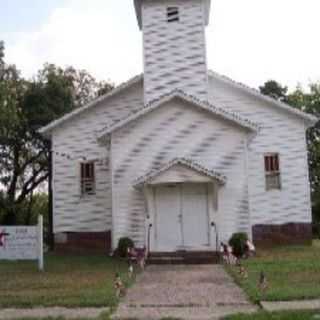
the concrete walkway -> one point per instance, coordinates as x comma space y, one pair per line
55, 312
291, 305
187, 292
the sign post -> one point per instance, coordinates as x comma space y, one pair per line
22, 243
40, 243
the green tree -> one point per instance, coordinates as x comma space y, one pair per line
12, 88
25, 106
310, 102
1, 53
83, 86
275, 90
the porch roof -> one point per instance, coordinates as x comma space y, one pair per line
189, 163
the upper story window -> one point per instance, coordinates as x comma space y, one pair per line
87, 178
172, 14
272, 171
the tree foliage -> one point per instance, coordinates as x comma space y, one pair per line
1, 53
275, 90
25, 106
310, 102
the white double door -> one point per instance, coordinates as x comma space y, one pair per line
182, 219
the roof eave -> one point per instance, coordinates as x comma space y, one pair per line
137, 6
310, 119
46, 131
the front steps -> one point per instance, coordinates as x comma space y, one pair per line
183, 257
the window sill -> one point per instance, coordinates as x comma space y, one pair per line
87, 195
273, 190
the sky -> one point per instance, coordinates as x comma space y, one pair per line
251, 41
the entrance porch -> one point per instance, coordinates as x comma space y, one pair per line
182, 201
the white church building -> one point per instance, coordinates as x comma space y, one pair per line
180, 157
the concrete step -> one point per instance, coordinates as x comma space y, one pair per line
201, 257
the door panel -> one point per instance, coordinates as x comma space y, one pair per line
195, 215
168, 232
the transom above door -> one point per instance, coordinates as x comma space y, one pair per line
181, 217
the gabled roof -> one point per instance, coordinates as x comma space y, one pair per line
145, 179
52, 125
311, 119
204, 105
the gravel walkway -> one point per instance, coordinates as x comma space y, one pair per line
188, 292
6, 314
291, 305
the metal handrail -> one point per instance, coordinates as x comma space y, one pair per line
149, 230
213, 224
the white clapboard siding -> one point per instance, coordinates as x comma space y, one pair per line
175, 52
177, 129
280, 132
77, 138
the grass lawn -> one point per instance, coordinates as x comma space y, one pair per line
292, 273
285, 315
68, 281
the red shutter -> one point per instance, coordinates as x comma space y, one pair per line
276, 162
271, 163
92, 171
82, 170
266, 165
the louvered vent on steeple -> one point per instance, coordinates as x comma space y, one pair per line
172, 14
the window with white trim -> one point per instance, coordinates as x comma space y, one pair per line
172, 14
88, 185
272, 171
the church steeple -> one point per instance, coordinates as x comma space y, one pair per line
174, 46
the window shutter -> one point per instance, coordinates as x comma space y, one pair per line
266, 163
276, 163
86, 177
272, 171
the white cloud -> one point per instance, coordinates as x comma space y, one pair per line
89, 37
254, 41
249, 40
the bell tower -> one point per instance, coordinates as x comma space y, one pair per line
174, 46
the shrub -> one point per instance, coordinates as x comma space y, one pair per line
123, 245
238, 243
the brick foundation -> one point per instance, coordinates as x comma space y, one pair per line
83, 242
285, 234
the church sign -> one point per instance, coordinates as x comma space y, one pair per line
22, 242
